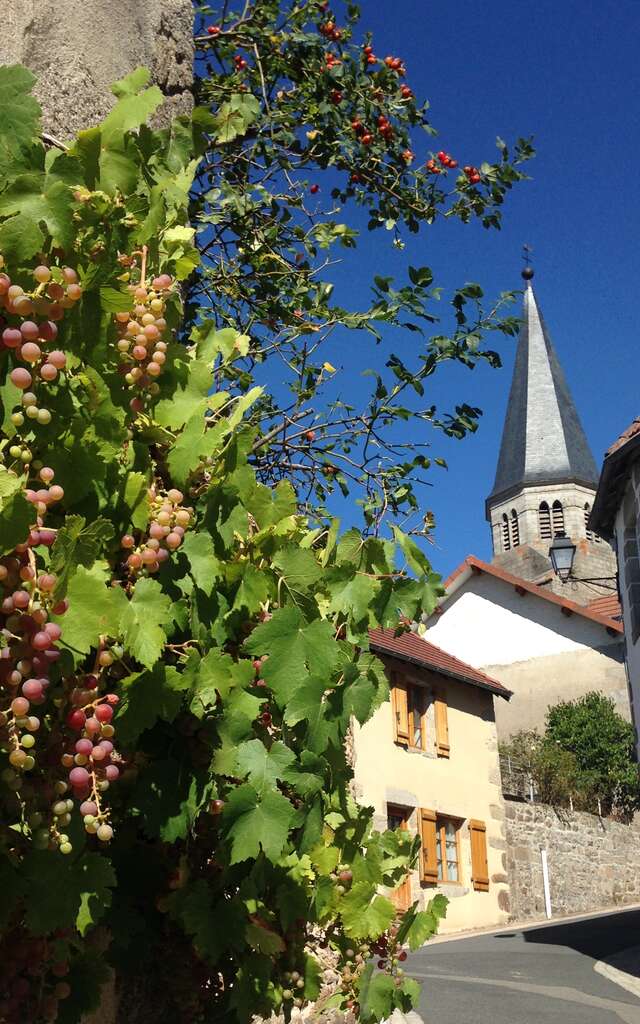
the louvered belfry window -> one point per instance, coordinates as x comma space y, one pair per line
544, 518
515, 528
557, 518
506, 538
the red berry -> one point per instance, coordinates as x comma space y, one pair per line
367, 139
371, 59
443, 157
402, 955
216, 806
213, 30
313, 189
310, 435
76, 719
265, 718
452, 163
367, 50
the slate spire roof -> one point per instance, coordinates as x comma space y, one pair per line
543, 440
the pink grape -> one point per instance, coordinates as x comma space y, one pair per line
103, 713
99, 753
20, 599
69, 274
21, 377
48, 331
42, 274
47, 537
84, 746
111, 772
20, 706
47, 581
79, 777
32, 689
40, 641
88, 807
29, 330
161, 282
30, 352
46, 474
57, 359
92, 725
52, 629
76, 719
5, 284
173, 541
56, 493
48, 371
74, 291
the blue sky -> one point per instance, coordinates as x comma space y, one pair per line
568, 74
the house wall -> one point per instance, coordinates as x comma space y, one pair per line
465, 785
627, 537
593, 863
530, 646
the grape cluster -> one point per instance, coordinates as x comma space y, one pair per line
32, 977
141, 346
91, 759
169, 522
55, 290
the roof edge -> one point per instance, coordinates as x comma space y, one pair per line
500, 690
607, 499
464, 570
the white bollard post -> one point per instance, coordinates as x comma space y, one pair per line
545, 882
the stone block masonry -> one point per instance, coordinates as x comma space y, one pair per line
77, 49
593, 863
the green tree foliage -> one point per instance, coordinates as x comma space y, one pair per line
184, 630
603, 745
585, 757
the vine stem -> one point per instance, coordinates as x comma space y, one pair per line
143, 269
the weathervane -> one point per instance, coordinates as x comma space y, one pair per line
527, 271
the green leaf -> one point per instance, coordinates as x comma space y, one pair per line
217, 927
32, 197
294, 648
136, 498
98, 879
16, 513
132, 83
234, 117
264, 766
20, 238
215, 676
264, 939
149, 696
299, 569
19, 118
253, 590
255, 824
130, 112
77, 544
364, 913
114, 301
205, 566
167, 797
143, 619
64, 891
377, 997
97, 609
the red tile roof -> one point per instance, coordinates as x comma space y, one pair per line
412, 648
471, 563
626, 435
609, 605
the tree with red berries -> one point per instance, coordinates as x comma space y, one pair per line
184, 628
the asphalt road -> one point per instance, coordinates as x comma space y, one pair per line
539, 975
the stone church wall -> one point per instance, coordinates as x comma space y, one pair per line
77, 49
594, 863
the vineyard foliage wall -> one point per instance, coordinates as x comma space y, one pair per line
183, 626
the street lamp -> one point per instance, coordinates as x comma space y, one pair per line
562, 552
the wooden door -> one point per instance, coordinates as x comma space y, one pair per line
398, 817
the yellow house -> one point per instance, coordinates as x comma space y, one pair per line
428, 762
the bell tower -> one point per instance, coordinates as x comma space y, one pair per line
546, 477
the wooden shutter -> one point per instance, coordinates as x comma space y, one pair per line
442, 726
400, 710
429, 851
479, 866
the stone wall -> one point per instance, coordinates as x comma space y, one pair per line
593, 863
78, 49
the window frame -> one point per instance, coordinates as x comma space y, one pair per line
442, 820
408, 684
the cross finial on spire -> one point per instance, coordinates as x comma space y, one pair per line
527, 271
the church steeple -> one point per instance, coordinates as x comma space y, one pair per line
546, 477
543, 441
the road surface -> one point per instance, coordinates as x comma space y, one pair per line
539, 975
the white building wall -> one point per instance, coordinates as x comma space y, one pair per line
627, 536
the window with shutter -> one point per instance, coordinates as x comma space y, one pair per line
479, 865
442, 726
429, 852
400, 710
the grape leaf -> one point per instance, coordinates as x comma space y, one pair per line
299, 569
264, 939
132, 83
16, 513
149, 696
58, 885
376, 995
240, 712
253, 590
20, 238
33, 197
167, 796
215, 676
98, 878
77, 544
351, 593
130, 112
363, 915
136, 498
264, 767
307, 776
19, 118
143, 619
97, 609
217, 927
205, 567
294, 648
255, 824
